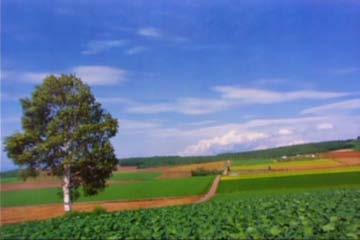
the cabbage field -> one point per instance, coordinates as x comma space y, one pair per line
323, 214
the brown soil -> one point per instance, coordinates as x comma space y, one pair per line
29, 185
13, 215
127, 169
345, 157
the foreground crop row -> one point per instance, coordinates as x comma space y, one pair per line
330, 214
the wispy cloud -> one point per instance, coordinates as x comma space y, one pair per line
188, 106
91, 74
230, 97
97, 46
115, 100
150, 32
135, 50
253, 95
325, 126
137, 125
334, 108
155, 33
346, 70
285, 131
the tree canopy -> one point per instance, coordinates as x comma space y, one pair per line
65, 129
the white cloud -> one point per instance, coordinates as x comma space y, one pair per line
253, 95
325, 126
285, 131
334, 108
135, 50
98, 46
150, 32
91, 74
100, 75
222, 138
223, 142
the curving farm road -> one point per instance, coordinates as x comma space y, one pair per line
13, 215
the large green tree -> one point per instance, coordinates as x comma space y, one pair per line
66, 134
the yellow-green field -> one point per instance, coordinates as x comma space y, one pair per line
316, 163
280, 174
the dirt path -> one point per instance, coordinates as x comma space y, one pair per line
211, 193
13, 215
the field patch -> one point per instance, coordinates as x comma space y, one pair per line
291, 165
152, 189
324, 180
345, 157
185, 170
262, 174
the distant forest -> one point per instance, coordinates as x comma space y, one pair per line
309, 148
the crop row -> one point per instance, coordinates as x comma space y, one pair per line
327, 214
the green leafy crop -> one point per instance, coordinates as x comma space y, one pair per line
326, 214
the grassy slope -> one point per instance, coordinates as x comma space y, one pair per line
325, 180
134, 191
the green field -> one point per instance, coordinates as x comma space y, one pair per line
310, 181
139, 190
137, 176
325, 214
4, 180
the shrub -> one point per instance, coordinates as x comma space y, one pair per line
204, 172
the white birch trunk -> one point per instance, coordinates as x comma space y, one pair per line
66, 190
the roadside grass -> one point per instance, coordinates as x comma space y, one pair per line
284, 183
152, 189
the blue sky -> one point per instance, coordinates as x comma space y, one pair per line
193, 77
